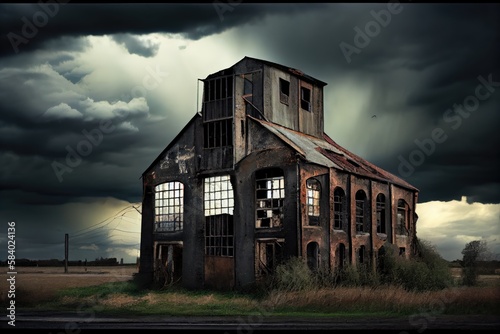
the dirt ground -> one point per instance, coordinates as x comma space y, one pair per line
37, 284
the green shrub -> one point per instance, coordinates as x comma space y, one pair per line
293, 275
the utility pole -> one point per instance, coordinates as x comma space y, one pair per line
66, 241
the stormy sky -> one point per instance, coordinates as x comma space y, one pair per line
413, 88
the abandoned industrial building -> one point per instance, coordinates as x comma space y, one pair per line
252, 179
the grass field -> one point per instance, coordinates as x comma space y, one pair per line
110, 291
35, 285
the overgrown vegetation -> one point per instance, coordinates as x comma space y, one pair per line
473, 252
398, 287
426, 272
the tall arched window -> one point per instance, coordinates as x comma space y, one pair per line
402, 217
360, 211
339, 208
381, 213
313, 255
169, 207
313, 199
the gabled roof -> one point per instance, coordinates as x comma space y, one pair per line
283, 68
326, 152
172, 142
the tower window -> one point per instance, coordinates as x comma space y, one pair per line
284, 91
305, 98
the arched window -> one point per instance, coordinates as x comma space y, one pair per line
339, 208
381, 213
313, 255
402, 227
313, 198
270, 196
169, 207
360, 211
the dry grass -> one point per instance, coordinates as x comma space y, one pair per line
35, 285
387, 299
39, 285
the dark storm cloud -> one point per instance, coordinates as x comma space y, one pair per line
193, 21
136, 46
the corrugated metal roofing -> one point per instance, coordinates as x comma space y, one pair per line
327, 152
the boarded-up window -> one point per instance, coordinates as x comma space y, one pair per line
270, 195
169, 209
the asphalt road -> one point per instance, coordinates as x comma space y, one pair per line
75, 324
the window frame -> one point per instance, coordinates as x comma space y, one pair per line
313, 201
360, 219
303, 101
170, 205
284, 87
265, 205
381, 213
340, 213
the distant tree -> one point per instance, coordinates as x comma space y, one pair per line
473, 252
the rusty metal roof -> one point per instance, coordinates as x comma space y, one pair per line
326, 152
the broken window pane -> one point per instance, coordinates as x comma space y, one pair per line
218, 195
169, 210
313, 197
270, 192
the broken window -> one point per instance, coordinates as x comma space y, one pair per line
339, 208
219, 235
380, 213
169, 210
313, 256
402, 217
360, 211
218, 208
305, 98
218, 133
269, 254
284, 91
270, 195
219, 197
313, 197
